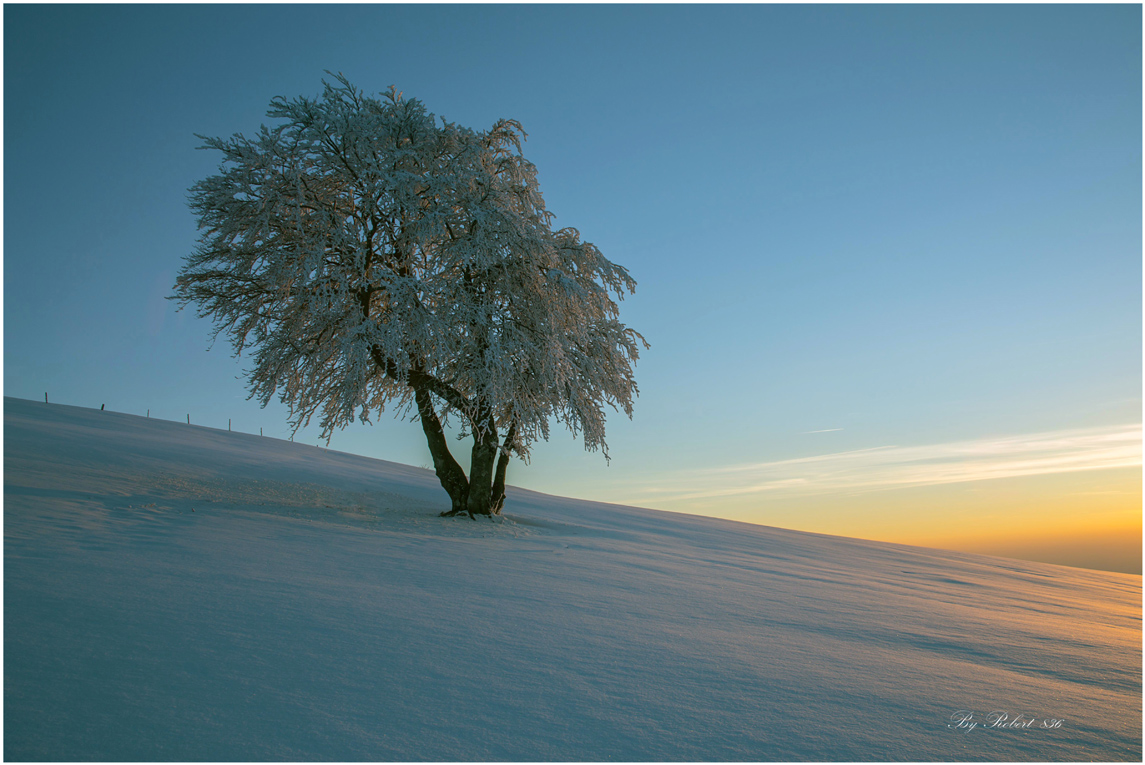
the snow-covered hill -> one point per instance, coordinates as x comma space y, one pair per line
174, 592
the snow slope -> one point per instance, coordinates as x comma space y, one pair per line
174, 592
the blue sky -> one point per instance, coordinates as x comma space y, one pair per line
853, 227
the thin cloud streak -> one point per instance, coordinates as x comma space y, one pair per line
891, 467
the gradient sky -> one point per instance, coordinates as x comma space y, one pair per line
889, 257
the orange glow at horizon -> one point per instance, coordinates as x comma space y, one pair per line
1091, 519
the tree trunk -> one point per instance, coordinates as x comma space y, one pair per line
481, 467
450, 474
497, 496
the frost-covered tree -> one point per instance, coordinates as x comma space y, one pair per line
369, 254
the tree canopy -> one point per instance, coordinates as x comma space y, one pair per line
369, 254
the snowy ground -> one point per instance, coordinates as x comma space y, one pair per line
180, 593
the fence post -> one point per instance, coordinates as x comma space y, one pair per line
188, 419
